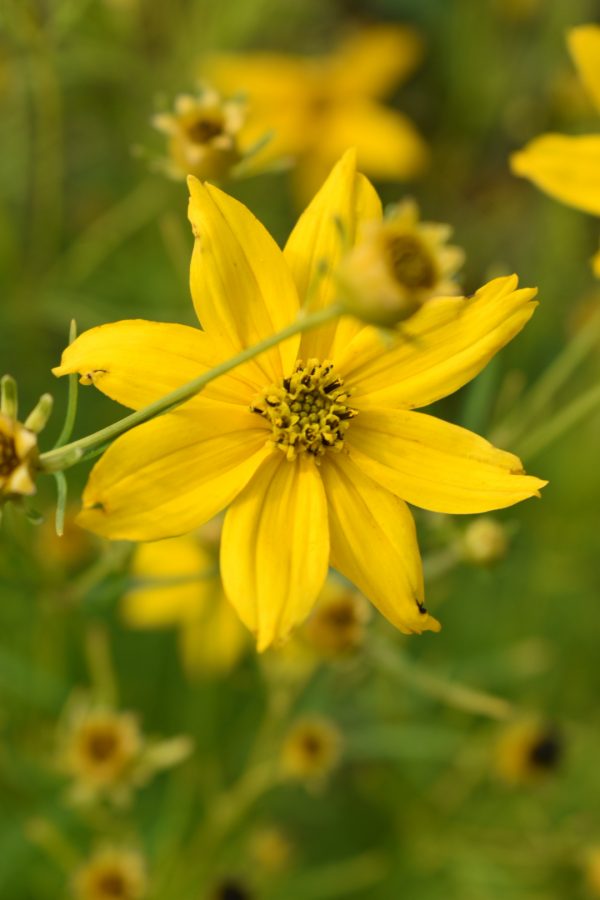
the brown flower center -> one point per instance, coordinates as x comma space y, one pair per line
9, 459
102, 744
411, 263
112, 884
201, 131
308, 411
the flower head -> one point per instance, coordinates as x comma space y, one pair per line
566, 167
18, 442
337, 626
529, 752
101, 748
112, 874
180, 585
396, 265
203, 135
311, 749
318, 106
314, 446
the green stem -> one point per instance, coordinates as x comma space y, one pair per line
64, 457
560, 424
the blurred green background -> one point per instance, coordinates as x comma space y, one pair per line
88, 230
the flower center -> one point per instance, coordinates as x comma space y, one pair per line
9, 459
102, 744
308, 412
112, 884
201, 131
410, 262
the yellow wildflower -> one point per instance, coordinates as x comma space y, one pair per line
311, 749
112, 874
18, 454
337, 626
313, 445
397, 265
212, 638
528, 752
101, 749
318, 106
568, 167
202, 133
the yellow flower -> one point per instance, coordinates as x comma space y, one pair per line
311, 749
528, 752
202, 135
337, 626
318, 106
101, 749
112, 874
18, 455
313, 445
568, 167
397, 265
212, 638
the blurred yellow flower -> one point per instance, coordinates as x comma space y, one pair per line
203, 135
271, 849
311, 749
316, 107
112, 874
106, 755
100, 750
528, 752
337, 626
591, 869
485, 541
191, 597
313, 445
398, 264
568, 167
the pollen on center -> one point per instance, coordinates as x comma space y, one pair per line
308, 412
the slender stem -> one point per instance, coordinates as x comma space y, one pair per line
64, 457
67, 429
560, 424
61, 502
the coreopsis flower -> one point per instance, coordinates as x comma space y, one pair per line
112, 874
314, 445
18, 442
203, 135
318, 106
311, 749
181, 586
568, 167
338, 624
528, 752
105, 754
398, 264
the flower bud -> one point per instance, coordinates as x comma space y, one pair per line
396, 266
485, 542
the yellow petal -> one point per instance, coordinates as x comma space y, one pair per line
275, 547
436, 465
373, 61
323, 233
172, 474
567, 168
174, 582
242, 288
374, 544
279, 89
388, 145
441, 348
584, 44
214, 643
135, 362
